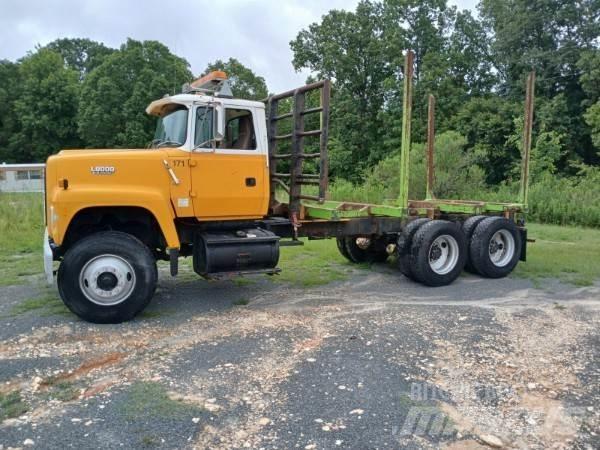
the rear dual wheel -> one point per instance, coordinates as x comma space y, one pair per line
403, 246
494, 247
361, 249
438, 253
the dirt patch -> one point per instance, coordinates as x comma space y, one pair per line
510, 384
107, 360
258, 391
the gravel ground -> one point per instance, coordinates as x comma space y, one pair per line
375, 362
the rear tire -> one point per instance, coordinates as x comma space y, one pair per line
403, 245
341, 245
108, 277
495, 247
468, 227
370, 251
438, 253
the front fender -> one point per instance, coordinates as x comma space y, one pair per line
65, 204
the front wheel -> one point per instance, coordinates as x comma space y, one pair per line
108, 277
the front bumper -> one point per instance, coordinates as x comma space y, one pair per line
48, 258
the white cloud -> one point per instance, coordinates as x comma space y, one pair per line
256, 32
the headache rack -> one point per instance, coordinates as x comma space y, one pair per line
291, 181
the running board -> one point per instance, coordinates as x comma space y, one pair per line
227, 275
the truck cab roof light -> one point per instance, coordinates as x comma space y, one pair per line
214, 83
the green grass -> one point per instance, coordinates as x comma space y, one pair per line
241, 302
316, 263
63, 391
569, 254
21, 230
11, 405
148, 399
48, 304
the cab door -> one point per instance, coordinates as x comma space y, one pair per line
229, 178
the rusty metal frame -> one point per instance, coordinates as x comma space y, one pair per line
293, 181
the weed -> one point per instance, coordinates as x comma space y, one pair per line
146, 399
63, 391
151, 314
241, 302
11, 405
149, 441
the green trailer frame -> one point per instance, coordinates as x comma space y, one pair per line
431, 207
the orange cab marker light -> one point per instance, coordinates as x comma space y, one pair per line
213, 77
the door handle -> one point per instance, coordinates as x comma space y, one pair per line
250, 181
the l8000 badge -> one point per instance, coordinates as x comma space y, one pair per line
102, 170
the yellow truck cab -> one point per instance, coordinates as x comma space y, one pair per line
208, 163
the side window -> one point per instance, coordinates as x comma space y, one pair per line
239, 130
203, 133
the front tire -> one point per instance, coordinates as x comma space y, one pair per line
107, 277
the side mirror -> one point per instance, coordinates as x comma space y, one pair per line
218, 122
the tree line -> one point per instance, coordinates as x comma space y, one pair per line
76, 93
476, 66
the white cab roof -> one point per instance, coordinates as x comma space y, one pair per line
155, 108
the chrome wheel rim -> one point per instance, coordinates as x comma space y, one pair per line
502, 248
443, 254
107, 280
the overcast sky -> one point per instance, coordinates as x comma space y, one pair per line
255, 32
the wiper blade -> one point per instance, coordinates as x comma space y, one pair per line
167, 142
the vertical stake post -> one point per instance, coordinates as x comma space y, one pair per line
527, 127
297, 151
324, 158
406, 122
272, 132
430, 145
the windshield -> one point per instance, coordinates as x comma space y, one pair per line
171, 129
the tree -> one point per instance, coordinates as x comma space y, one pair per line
548, 36
115, 94
46, 109
244, 83
347, 47
83, 55
10, 88
487, 123
589, 64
